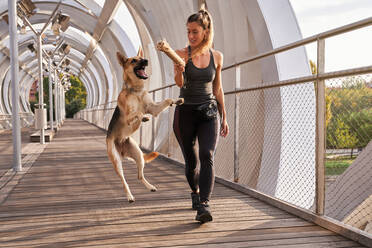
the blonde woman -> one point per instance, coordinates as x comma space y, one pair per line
201, 88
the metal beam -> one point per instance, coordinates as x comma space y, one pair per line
41, 91
17, 166
50, 95
51, 17
108, 12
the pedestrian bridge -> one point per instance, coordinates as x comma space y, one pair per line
276, 185
70, 196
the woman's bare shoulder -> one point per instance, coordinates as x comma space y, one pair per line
182, 52
218, 56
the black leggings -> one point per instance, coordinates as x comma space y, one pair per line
187, 126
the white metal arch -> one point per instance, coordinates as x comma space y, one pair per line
84, 16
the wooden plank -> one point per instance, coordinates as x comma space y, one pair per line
335, 244
176, 238
226, 239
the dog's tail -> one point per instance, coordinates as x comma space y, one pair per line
148, 157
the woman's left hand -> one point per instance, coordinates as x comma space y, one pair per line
224, 129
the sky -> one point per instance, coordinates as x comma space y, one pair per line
125, 20
349, 50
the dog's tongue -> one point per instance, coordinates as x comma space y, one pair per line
142, 73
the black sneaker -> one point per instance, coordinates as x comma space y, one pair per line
195, 200
204, 213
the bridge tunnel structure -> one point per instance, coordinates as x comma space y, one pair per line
243, 28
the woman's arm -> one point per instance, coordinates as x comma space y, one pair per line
218, 93
179, 69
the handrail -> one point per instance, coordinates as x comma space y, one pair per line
306, 79
162, 88
21, 113
298, 80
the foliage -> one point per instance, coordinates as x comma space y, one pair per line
75, 97
313, 67
350, 121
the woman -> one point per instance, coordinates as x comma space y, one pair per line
200, 83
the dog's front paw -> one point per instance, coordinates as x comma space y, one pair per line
145, 118
179, 101
131, 199
169, 102
153, 189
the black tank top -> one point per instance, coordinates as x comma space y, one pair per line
198, 82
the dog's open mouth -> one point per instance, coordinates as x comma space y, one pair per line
140, 72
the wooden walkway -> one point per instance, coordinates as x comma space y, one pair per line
71, 197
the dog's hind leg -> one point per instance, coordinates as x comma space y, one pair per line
135, 152
116, 161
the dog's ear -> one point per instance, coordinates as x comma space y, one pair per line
121, 58
140, 52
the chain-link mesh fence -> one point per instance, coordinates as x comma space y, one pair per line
348, 143
276, 142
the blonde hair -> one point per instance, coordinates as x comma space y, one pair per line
204, 19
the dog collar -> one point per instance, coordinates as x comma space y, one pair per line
134, 89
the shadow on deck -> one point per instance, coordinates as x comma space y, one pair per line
71, 197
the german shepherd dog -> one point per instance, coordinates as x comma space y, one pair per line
133, 103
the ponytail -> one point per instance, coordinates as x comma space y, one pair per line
204, 19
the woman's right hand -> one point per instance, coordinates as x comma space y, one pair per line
178, 68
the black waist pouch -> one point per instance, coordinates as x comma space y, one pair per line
206, 111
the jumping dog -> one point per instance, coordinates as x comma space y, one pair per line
133, 103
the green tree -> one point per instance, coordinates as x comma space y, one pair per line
343, 136
75, 97
350, 125
362, 123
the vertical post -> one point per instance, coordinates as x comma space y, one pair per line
17, 166
153, 127
63, 104
236, 126
41, 93
320, 131
56, 96
59, 103
50, 95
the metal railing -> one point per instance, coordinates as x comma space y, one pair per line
26, 119
278, 152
